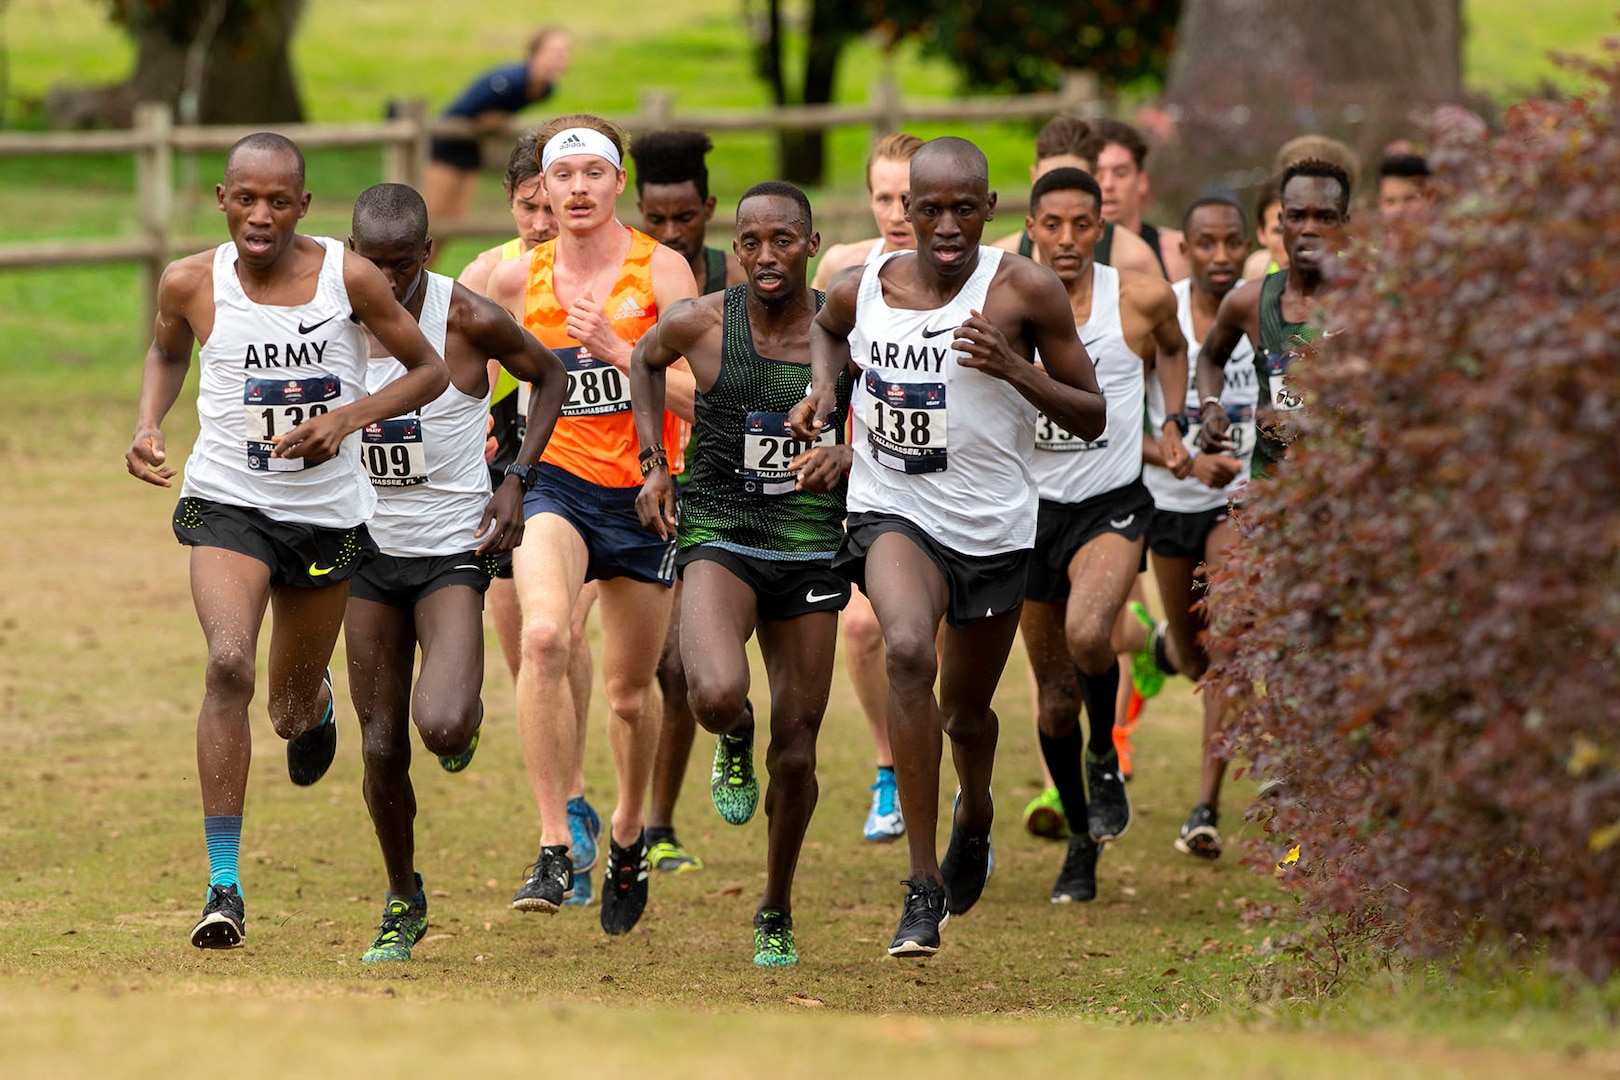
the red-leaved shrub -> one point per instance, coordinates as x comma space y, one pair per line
1420, 632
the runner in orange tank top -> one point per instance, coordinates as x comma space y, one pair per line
589, 295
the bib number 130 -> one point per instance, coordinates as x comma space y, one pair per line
272, 407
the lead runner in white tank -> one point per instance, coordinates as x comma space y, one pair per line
274, 504
1094, 513
439, 533
941, 495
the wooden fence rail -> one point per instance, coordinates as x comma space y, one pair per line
156, 140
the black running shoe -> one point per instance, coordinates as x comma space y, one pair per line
223, 922
920, 922
1077, 881
309, 755
624, 886
1108, 810
1201, 836
966, 866
551, 881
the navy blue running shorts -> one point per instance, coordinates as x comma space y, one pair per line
606, 520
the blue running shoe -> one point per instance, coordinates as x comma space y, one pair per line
884, 821
584, 892
584, 826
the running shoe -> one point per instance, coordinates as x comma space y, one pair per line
624, 886
1077, 881
584, 826
551, 881
1147, 676
403, 923
1108, 810
1043, 817
667, 855
584, 892
773, 940
1200, 836
732, 783
883, 820
224, 920
453, 763
920, 922
966, 865
310, 754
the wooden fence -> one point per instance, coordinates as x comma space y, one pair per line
156, 141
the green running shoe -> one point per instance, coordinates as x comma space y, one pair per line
773, 940
1146, 674
732, 783
667, 854
454, 763
1043, 817
404, 922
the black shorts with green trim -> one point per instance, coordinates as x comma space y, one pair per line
303, 556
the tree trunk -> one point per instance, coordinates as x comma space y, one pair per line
247, 75
1248, 75
801, 156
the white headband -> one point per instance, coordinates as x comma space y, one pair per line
578, 141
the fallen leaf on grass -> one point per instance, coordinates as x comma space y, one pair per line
805, 1000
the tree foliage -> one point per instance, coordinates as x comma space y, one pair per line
1420, 636
1024, 46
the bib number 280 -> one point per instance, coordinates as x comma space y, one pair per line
272, 407
906, 424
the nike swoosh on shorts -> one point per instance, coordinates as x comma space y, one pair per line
810, 597
1123, 524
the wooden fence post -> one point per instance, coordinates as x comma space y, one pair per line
890, 107
404, 162
657, 110
154, 186
1079, 93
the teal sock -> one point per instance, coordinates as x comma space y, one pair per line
223, 833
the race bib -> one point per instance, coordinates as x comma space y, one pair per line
906, 424
272, 407
1240, 431
595, 387
394, 454
768, 446
1049, 436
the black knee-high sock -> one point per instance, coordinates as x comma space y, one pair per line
1100, 691
1062, 756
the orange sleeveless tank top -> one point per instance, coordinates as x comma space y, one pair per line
595, 438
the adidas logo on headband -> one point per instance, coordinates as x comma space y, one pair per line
579, 141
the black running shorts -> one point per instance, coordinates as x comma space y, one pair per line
303, 556
1183, 535
783, 588
400, 581
1062, 529
979, 585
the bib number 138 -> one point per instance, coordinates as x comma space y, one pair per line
906, 424
272, 407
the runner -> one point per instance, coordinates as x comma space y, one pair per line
888, 176
672, 187
582, 522
1276, 312
1275, 315
941, 497
1270, 256
1404, 185
1122, 175
274, 499
1190, 527
1068, 142
1094, 513
535, 224
438, 532
757, 529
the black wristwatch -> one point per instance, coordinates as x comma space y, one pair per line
1180, 420
528, 475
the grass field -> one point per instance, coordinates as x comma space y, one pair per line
101, 854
